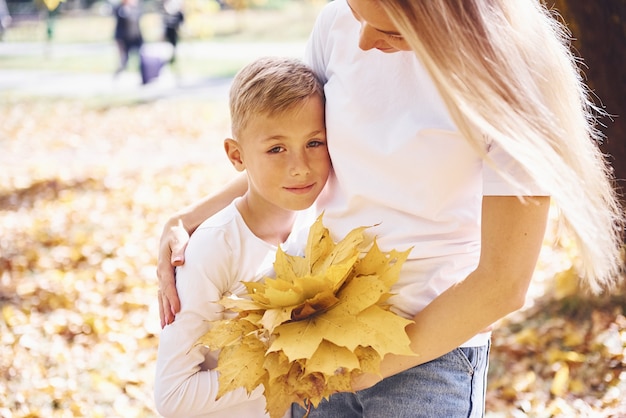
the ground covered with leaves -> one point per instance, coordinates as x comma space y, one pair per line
84, 192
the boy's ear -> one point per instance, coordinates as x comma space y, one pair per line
233, 152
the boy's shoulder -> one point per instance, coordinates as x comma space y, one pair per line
212, 240
224, 247
221, 219
226, 227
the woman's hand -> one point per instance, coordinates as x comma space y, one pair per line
171, 254
174, 240
365, 381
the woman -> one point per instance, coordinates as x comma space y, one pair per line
451, 124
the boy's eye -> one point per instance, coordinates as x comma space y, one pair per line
275, 150
315, 143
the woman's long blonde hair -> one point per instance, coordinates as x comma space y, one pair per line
505, 71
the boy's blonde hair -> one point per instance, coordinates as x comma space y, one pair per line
270, 86
506, 71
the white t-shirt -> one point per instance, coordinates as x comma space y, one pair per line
220, 254
400, 162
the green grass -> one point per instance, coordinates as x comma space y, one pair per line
284, 21
277, 21
47, 61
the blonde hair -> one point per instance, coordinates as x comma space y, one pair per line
270, 86
505, 71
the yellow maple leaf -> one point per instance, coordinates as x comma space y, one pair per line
292, 386
324, 318
341, 382
347, 249
381, 329
274, 317
354, 321
226, 332
277, 364
330, 359
319, 245
278, 397
369, 360
293, 291
386, 265
318, 303
237, 304
241, 365
291, 267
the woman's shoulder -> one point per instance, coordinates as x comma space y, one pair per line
331, 13
332, 8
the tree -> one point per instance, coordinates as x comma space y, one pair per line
599, 31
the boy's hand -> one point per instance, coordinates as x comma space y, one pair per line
171, 253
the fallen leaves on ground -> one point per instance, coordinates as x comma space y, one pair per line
84, 193
561, 358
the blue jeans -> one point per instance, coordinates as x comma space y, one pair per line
451, 386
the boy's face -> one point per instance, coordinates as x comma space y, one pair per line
285, 156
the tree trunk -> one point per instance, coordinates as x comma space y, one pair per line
599, 30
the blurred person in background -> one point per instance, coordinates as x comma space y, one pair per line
127, 30
5, 18
173, 17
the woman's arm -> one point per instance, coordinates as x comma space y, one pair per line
512, 235
174, 240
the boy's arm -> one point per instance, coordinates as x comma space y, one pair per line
186, 383
512, 235
174, 240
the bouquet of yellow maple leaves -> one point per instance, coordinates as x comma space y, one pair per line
305, 333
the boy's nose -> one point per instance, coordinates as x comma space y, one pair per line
299, 165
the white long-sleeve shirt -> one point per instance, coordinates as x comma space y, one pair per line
220, 254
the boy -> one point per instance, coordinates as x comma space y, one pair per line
279, 139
